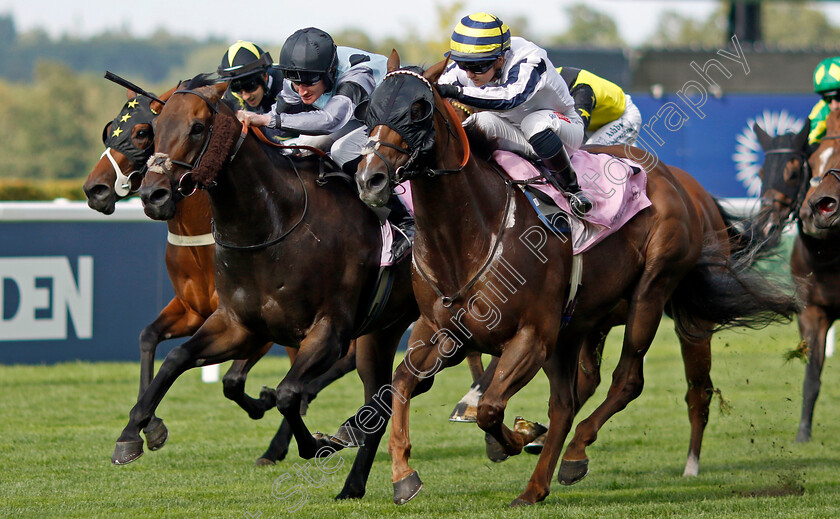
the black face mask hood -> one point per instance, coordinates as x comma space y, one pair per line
391, 105
136, 111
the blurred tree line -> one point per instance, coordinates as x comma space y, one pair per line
56, 103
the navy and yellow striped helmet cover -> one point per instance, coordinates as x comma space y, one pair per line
478, 37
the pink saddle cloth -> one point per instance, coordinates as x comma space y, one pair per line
616, 189
387, 231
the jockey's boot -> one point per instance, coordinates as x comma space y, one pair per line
404, 222
551, 151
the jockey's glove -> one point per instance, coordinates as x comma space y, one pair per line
451, 91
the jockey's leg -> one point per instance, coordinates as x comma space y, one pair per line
550, 149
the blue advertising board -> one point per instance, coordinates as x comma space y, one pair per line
78, 286
715, 141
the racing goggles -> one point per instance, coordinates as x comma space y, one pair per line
828, 97
302, 77
247, 84
476, 67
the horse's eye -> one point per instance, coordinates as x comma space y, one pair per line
144, 134
196, 129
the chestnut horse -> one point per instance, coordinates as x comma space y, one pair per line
815, 264
296, 263
189, 263
481, 285
695, 344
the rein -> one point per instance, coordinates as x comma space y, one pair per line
244, 132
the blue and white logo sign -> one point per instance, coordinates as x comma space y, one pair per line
748, 155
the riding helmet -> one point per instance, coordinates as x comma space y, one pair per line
307, 54
827, 75
479, 37
242, 59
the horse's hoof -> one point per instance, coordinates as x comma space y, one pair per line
268, 397
406, 488
126, 452
464, 413
349, 437
516, 503
350, 493
536, 446
263, 462
572, 471
529, 430
803, 436
156, 434
494, 449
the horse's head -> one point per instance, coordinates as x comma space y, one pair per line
194, 134
404, 116
819, 214
784, 179
128, 143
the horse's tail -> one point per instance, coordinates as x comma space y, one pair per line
752, 233
731, 291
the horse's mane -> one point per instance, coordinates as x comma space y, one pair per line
481, 145
201, 80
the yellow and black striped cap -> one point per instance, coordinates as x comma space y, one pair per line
478, 37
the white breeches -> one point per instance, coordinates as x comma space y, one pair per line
512, 137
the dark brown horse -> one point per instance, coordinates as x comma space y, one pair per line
784, 181
815, 264
296, 263
189, 263
481, 286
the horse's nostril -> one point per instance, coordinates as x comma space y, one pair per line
159, 196
826, 205
98, 192
378, 181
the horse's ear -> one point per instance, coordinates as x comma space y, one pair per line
220, 88
157, 107
433, 73
763, 138
130, 94
393, 61
800, 140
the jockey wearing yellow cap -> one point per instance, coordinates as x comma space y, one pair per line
527, 105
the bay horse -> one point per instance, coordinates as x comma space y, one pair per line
296, 263
784, 175
189, 263
480, 286
815, 264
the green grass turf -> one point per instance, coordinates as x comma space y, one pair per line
58, 425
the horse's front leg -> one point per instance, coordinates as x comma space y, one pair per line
375, 361
233, 384
564, 402
175, 320
423, 360
279, 446
522, 357
218, 340
318, 351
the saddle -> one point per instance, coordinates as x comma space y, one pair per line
616, 186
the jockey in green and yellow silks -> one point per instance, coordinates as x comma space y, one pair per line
827, 84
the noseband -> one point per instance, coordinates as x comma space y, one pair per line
186, 185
